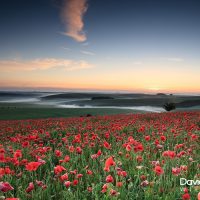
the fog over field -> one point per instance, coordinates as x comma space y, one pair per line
84, 100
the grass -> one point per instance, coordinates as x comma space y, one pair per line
12, 113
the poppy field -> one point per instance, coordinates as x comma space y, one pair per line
133, 156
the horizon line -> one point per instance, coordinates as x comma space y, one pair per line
52, 89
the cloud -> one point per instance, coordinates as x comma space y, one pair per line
85, 43
173, 59
79, 65
42, 64
88, 53
65, 48
72, 16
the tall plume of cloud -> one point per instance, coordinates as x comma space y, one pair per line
72, 15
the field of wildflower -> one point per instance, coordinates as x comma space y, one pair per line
135, 156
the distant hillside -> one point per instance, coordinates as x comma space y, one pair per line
161, 94
93, 95
101, 97
188, 103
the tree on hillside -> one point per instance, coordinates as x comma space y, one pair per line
169, 106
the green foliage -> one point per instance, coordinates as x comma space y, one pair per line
169, 106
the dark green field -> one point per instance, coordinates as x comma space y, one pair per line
12, 113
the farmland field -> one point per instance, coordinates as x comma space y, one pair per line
132, 156
37, 105
12, 113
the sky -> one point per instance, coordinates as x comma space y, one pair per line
114, 45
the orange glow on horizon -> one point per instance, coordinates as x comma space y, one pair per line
107, 88
150, 79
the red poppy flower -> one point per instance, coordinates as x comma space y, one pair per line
113, 192
119, 184
198, 196
89, 189
128, 147
12, 198
32, 166
67, 184
147, 137
109, 162
99, 153
79, 175
186, 196
89, 172
64, 177
139, 159
79, 150
39, 183
75, 182
176, 171
104, 188
109, 179
170, 154
58, 169
158, 170
30, 187
5, 187
106, 145
162, 137
18, 154
66, 159
58, 153
123, 173
139, 147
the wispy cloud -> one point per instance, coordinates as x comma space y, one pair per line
173, 59
43, 64
79, 65
88, 53
72, 16
85, 43
65, 48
